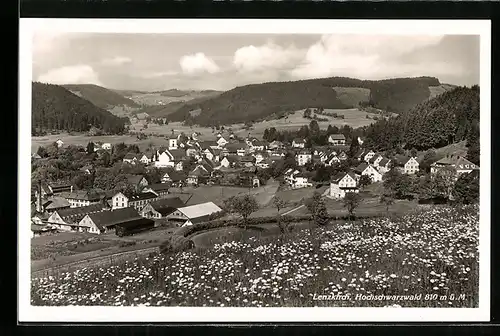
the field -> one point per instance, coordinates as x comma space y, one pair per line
459, 148
157, 98
352, 96
432, 253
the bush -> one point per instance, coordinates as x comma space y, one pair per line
176, 243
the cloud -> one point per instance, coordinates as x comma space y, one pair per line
159, 74
74, 74
251, 58
116, 61
364, 56
198, 63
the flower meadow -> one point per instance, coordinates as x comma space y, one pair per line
427, 258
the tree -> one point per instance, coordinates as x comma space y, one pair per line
242, 205
314, 127
90, 148
317, 208
351, 202
466, 188
354, 148
388, 200
365, 180
413, 152
42, 152
279, 204
429, 158
307, 113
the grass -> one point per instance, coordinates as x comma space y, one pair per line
428, 252
352, 96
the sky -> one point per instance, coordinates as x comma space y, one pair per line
151, 62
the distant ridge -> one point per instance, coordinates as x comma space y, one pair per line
100, 96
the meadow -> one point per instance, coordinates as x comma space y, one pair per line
433, 253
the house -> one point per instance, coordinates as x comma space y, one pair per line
298, 143
367, 169
81, 198
260, 156
258, 145
161, 208
303, 157
375, 160
106, 146
68, 219
38, 230
35, 156
264, 164
138, 182
159, 189
163, 158
104, 221
384, 165
360, 141
367, 155
408, 165
289, 175
460, 164
144, 158
212, 154
172, 143
137, 201
230, 161
300, 181
221, 142
200, 173
173, 177
343, 183
59, 143
249, 179
236, 148
49, 189
191, 150
331, 160
337, 139
130, 158
193, 214
247, 161
276, 145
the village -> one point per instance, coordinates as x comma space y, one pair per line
225, 161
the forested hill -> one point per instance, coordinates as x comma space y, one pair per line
258, 101
448, 118
100, 96
54, 107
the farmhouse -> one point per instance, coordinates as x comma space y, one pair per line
193, 214
298, 143
276, 145
221, 142
68, 219
49, 189
212, 154
161, 208
174, 177
38, 230
236, 148
336, 139
104, 221
368, 170
264, 164
408, 165
258, 145
247, 161
331, 160
459, 163
367, 155
230, 161
303, 157
300, 181
384, 165
137, 201
131, 158
375, 160
159, 189
55, 203
343, 183
138, 182
81, 198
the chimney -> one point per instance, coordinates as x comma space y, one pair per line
39, 196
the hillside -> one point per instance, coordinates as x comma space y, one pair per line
129, 93
445, 119
54, 107
169, 108
99, 96
257, 101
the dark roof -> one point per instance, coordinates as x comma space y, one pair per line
176, 176
207, 144
56, 203
383, 162
297, 140
247, 159
401, 159
200, 170
259, 143
236, 145
141, 196
361, 167
178, 154
82, 195
373, 159
76, 214
130, 156
337, 136
113, 217
168, 205
134, 179
233, 158
136, 223
159, 187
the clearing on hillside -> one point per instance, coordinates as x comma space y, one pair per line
352, 96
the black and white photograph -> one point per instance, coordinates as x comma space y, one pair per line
210, 167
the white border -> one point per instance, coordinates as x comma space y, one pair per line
28, 313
